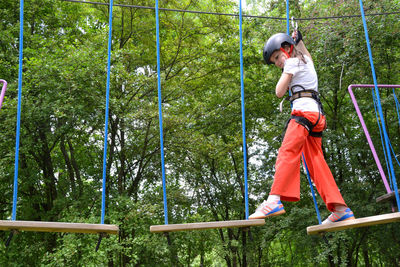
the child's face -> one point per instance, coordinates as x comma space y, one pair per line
278, 58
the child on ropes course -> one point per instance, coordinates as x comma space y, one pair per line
303, 134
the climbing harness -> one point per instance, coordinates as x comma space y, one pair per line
302, 120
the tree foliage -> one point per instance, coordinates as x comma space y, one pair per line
62, 131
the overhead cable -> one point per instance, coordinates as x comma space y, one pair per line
231, 14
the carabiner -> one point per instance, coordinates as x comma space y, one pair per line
294, 24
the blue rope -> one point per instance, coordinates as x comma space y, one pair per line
246, 198
382, 140
287, 18
312, 190
21, 47
160, 115
395, 157
398, 117
103, 197
379, 106
397, 105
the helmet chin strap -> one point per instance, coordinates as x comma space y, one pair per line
286, 53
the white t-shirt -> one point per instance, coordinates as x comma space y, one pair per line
306, 76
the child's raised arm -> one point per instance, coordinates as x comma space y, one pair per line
296, 35
302, 48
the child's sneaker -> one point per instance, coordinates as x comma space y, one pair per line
268, 210
336, 216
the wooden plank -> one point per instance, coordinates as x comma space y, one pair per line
64, 227
386, 197
205, 225
361, 222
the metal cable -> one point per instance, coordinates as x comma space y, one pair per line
231, 14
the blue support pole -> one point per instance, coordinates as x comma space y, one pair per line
379, 105
21, 47
246, 198
103, 197
160, 119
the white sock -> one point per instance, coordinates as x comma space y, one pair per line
273, 198
340, 208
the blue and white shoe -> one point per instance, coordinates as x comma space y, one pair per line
337, 216
266, 210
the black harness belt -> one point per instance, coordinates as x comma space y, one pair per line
301, 120
306, 124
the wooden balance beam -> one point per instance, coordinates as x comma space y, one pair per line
387, 197
356, 223
63, 227
205, 225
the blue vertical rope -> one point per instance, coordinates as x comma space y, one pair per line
160, 115
312, 190
397, 104
103, 197
287, 18
379, 105
21, 47
246, 198
395, 157
382, 140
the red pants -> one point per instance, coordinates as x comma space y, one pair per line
287, 167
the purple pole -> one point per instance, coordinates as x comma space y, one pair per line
371, 145
3, 91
